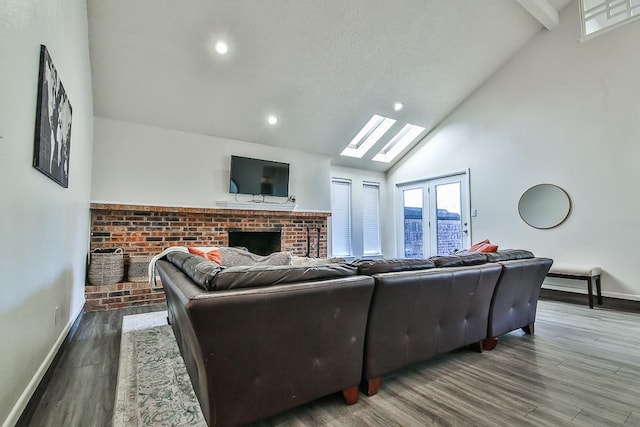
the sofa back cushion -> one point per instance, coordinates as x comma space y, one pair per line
178, 258
200, 270
211, 276
266, 275
459, 260
509, 255
370, 267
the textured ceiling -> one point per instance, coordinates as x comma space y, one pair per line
323, 67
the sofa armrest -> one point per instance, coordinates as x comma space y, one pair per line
515, 301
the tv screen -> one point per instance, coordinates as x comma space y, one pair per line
259, 177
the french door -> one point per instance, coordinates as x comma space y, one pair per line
434, 216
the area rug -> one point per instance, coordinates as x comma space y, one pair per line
153, 385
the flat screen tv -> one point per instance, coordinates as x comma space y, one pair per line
259, 177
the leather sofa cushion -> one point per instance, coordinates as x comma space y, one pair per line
178, 258
200, 270
459, 260
370, 267
261, 275
211, 276
509, 255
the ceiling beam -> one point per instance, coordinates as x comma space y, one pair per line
543, 11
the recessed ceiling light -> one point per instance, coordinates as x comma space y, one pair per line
221, 47
397, 106
272, 120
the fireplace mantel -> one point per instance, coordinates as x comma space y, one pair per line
223, 206
263, 206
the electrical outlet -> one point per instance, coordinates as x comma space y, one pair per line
56, 316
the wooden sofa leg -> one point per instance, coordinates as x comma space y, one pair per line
490, 344
350, 395
372, 386
477, 346
529, 329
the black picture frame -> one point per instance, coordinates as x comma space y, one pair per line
53, 123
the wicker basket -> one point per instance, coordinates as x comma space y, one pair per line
106, 266
138, 268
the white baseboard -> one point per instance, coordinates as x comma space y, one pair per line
618, 295
23, 400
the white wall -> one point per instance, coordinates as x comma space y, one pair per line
143, 165
44, 228
561, 112
357, 178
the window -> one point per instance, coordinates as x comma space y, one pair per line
370, 133
371, 218
600, 15
434, 216
408, 134
340, 217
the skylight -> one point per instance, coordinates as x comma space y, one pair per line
375, 128
406, 136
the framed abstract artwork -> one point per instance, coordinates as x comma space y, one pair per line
53, 123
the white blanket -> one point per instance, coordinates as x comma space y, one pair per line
152, 263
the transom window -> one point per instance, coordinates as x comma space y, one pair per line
598, 16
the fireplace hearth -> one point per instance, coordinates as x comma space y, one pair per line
257, 242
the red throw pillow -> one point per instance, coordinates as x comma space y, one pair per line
488, 248
212, 255
484, 246
477, 246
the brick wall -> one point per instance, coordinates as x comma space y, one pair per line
126, 294
147, 230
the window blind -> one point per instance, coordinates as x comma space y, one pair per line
371, 218
340, 217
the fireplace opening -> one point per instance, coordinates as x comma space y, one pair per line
257, 242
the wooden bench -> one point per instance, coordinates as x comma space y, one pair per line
580, 273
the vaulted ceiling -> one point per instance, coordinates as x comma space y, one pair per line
322, 67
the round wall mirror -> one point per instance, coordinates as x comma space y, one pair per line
544, 206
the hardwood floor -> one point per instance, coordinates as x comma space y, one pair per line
581, 368
82, 389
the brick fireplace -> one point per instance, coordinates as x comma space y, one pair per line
148, 230
257, 242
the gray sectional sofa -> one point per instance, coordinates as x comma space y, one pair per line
258, 340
